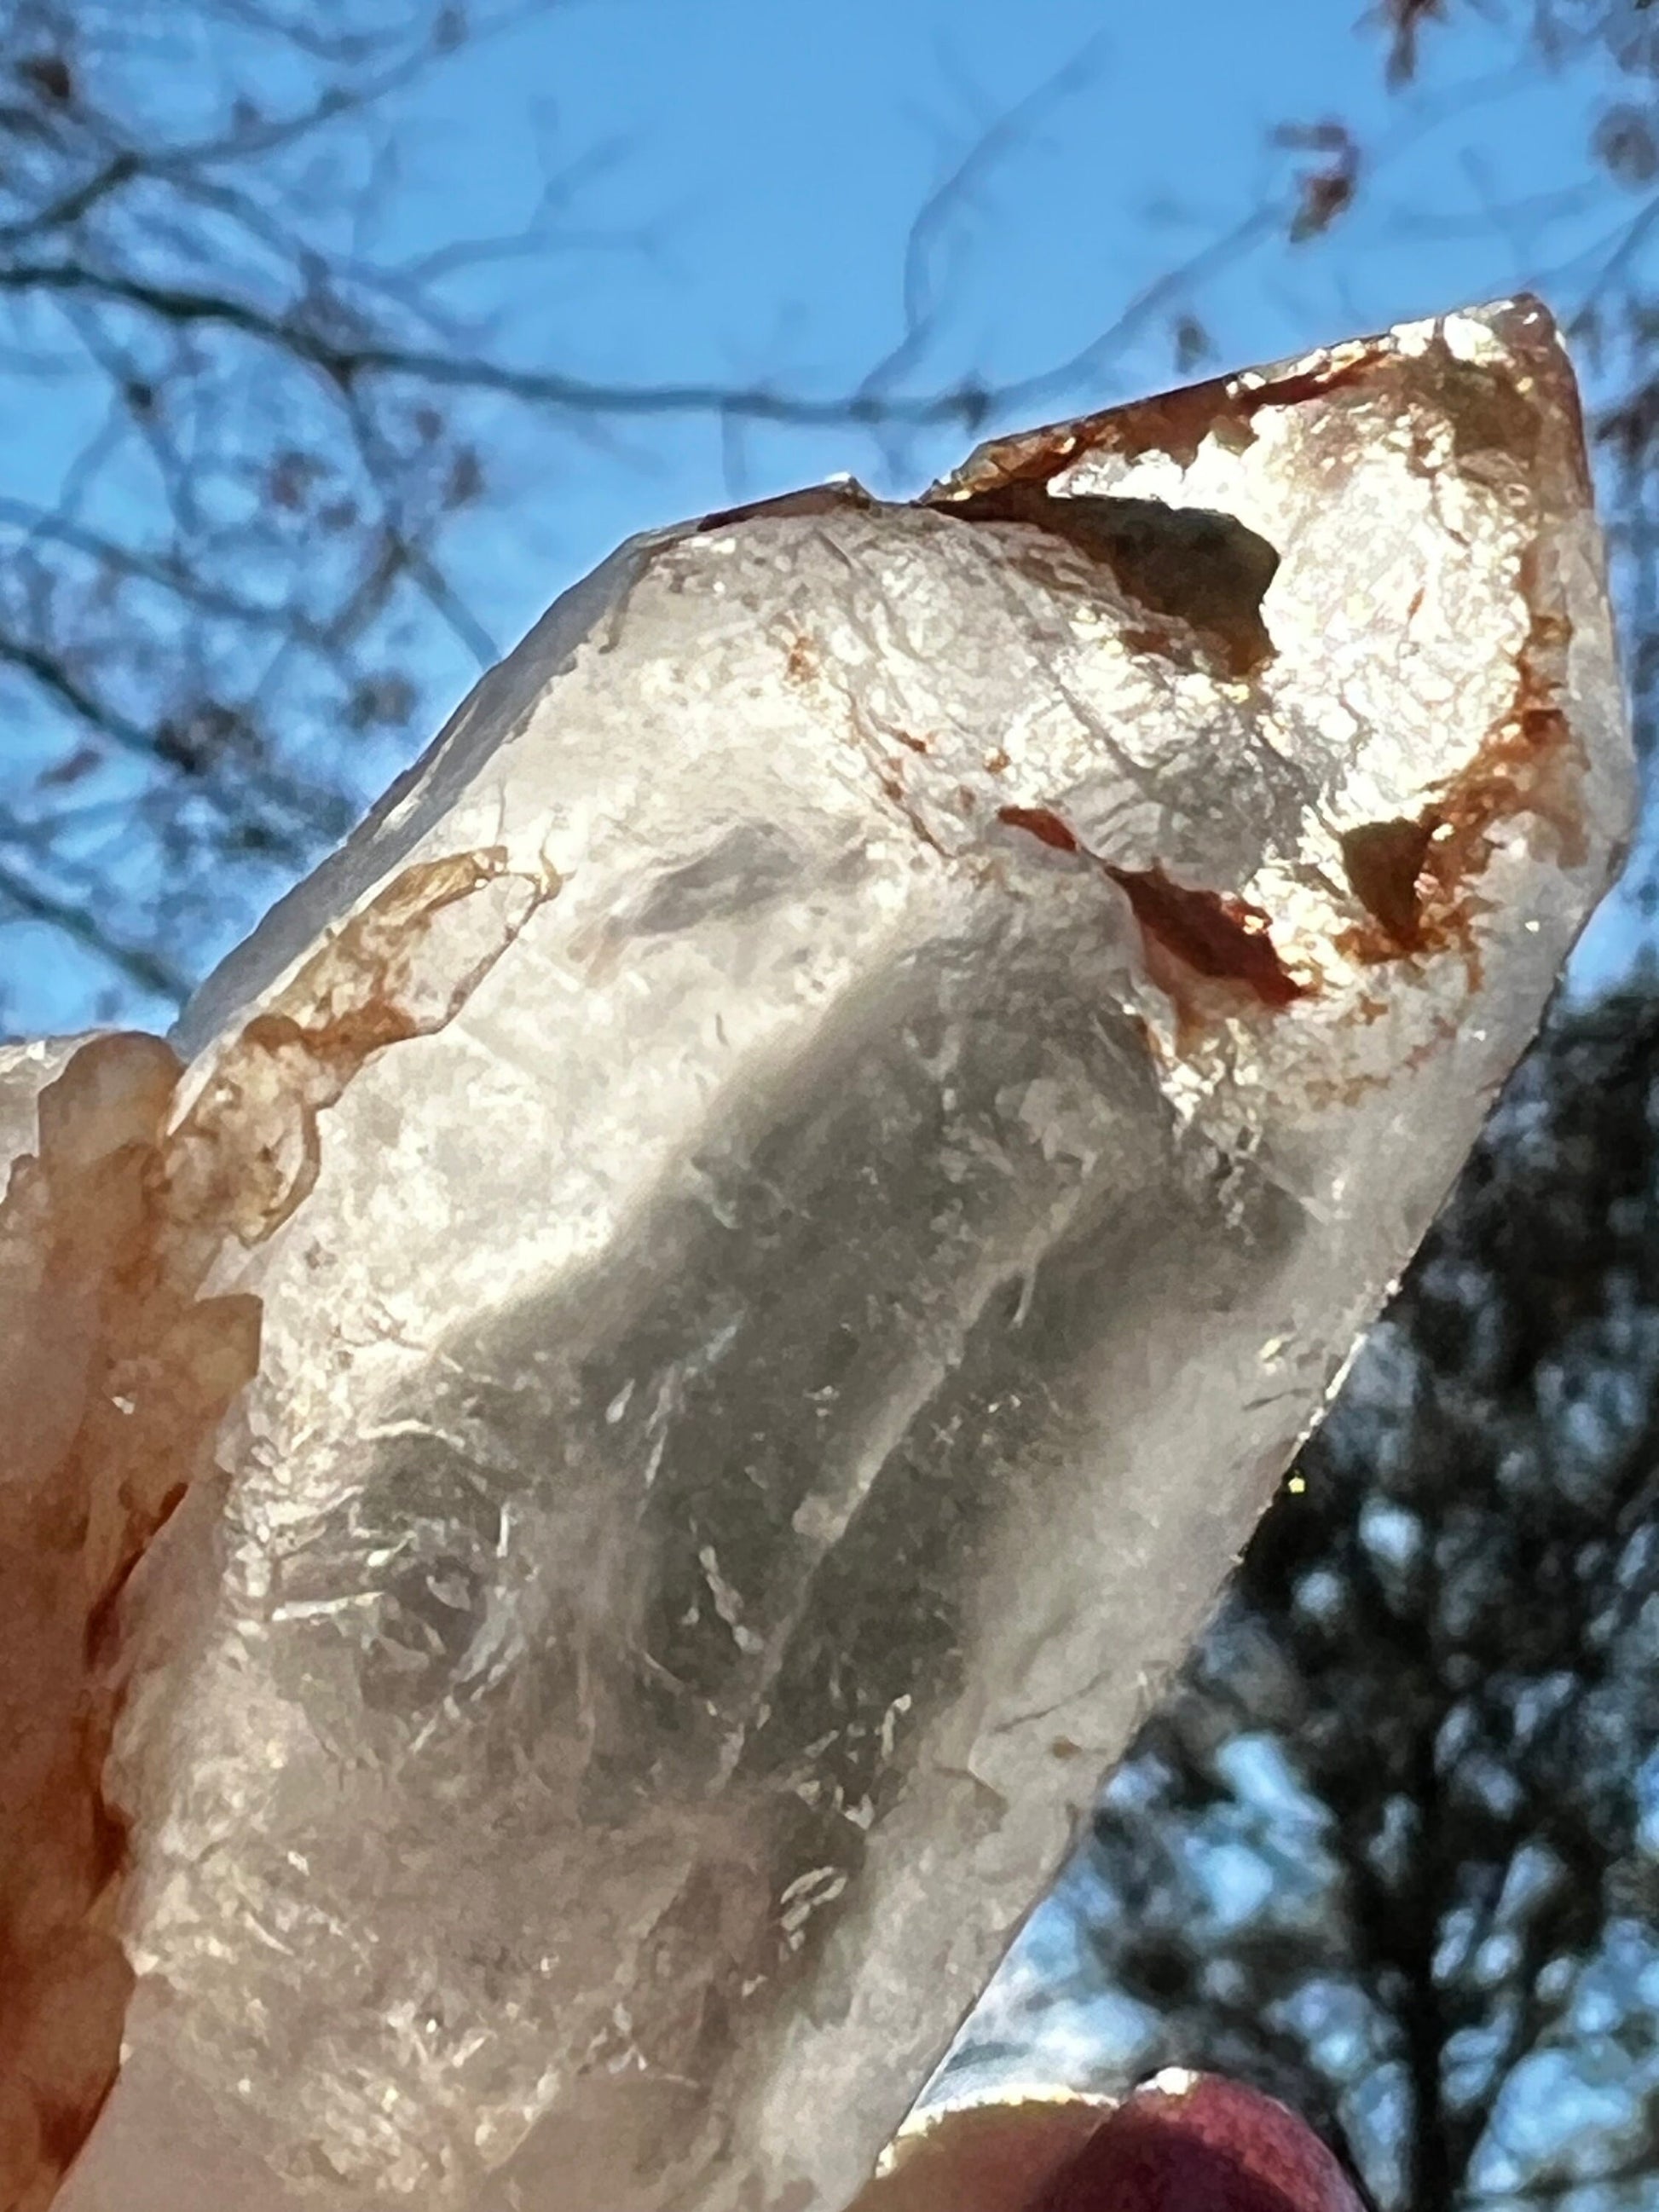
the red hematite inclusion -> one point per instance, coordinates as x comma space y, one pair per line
1193, 2143
1043, 823
1224, 938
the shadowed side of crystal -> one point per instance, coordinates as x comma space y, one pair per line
1207, 569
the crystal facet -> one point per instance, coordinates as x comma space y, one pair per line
803, 1175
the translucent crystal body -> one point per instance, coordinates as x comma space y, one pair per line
804, 1174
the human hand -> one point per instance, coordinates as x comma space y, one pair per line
1184, 2142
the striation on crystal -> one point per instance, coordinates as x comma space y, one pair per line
803, 1175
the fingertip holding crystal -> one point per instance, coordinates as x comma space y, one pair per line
1181, 2142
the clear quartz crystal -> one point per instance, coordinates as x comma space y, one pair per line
805, 1173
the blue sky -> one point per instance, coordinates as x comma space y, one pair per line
748, 172
776, 156
773, 157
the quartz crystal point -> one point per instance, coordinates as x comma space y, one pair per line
799, 1182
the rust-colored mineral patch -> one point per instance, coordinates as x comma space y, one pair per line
1174, 422
1526, 763
1210, 933
1217, 936
1417, 879
247, 1153
1043, 823
114, 1376
1333, 370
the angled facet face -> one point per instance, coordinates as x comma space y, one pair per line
803, 1176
